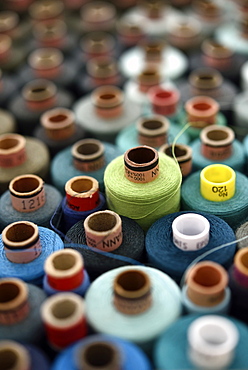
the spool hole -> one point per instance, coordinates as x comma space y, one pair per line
216, 176
63, 309
152, 124
202, 106
244, 260
213, 335
82, 185
217, 135
99, 355
8, 359
8, 292
25, 184
178, 151
88, 148
101, 222
131, 281
8, 143
19, 233
141, 155
37, 90
58, 118
164, 94
64, 261
192, 227
207, 276
107, 96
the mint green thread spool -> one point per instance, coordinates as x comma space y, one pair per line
143, 202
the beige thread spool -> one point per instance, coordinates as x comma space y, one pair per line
39, 94
98, 15
141, 164
9, 21
99, 355
201, 111
53, 33
88, 155
108, 101
82, 193
45, 10
14, 305
206, 282
12, 150
21, 241
216, 55
148, 78
46, 62
183, 154
27, 193
217, 142
152, 131
103, 230
59, 123
132, 292
97, 43
14, 356
205, 81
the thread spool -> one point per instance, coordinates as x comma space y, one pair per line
217, 142
87, 156
201, 111
46, 10
64, 319
240, 118
59, 123
164, 101
97, 43
129, 33
125, 354
233, 210
216, 55
14, 356
153, 9
183, 154
82, 193
206, 79
39, 95
148, 78
135, 327
108, 102
185, 34
12, 150
153, 50
152, 131
46, 62
241, 232
8, 124
164, 250
98, 15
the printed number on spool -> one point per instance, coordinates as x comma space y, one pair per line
222, 190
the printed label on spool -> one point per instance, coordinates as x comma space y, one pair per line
23, 255
27, 203
11, 317
13, 159
216, 153
107, 243
89, 166
142, 176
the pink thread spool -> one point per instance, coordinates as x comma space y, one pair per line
164, 101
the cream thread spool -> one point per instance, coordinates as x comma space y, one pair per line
108, 101
216, 55
82, 193
39, 94
64, 269
59, 123
46, 10
201, 111
46, 62
217, 142
132, 292
27, 193
12, 150
205, 81
14, 305
153, 130
9, 21
99, 355
141, 164
206, 283
53, 33
212, 341
88, 155
103, 230
148, 78
21, 241
183, 154
190, 231
97, 43
14, 356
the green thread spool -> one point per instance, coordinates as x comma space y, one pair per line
143, 202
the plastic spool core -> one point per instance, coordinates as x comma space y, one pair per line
217, 142
88, 155
216, 50
212, 342
46, 9
205, 79
153, 50
201, 111
108, 101
99, 355
59, 123
190, 231
241, 261
50, 34
148, 78
97, 43
13, 356
82, 193
102, 67
12, 150
152, 131
46, 59
39, 90
183, 154
8, 21
5, 46
132, 292
103, 230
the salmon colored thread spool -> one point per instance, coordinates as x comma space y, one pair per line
12, 150
46, 10
152, 131
14, 356
217, 142
39, 94
108, 101
216, 55
65, 269
21, 241
164, 101
201, 111
14, 306
103, 230
148, 78
132, 292
46, 62
240, 267
82, 193
206, 283
64, 318
59, 123
183, 154
51, 34
27, 193
88, 155
103, 70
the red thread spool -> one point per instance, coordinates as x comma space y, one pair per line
201, 111
82, 193
64, 269
64, 319
164, 101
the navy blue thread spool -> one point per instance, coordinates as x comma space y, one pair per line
164, 251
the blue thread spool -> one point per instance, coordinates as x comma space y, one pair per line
131, 357
164, 255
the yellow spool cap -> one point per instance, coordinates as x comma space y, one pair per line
217, 182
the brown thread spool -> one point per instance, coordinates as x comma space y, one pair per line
201, 111
9, 21
88, 155
5, 48
152, 131
14, 305
99, 355
21, 241
108, 101
183, 154
206, 282
82, 193
141, 164
103, 230
205, 81
185, 34
45, 10
14, 356
27, 193
129, 33
103, 70
50, 34
98, 15
132, 292
12, 150
148, 78
216, 55
39, 94
217, 142
164, 101
46, 62
59, 123
97, 44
